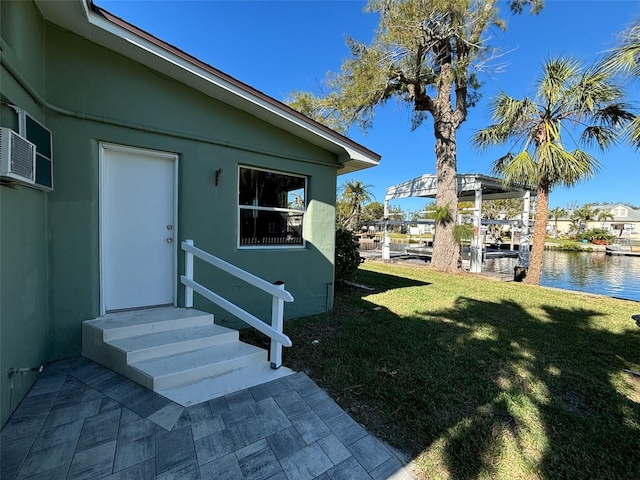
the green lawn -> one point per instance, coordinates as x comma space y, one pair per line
481, 379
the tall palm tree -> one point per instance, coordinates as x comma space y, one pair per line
569, 98
555, 214
356, 194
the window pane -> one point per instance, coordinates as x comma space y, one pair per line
270, 189
295, 199
258, 227
44, 171
38, 135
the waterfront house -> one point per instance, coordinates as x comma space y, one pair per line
624, 223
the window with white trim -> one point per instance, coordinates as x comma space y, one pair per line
271, 208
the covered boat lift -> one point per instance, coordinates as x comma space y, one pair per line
471, 188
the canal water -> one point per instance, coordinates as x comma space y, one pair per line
589, 272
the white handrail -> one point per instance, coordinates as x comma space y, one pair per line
237, 272
237, 311
277, 291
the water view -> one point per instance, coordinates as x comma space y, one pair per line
614, 276
589, 272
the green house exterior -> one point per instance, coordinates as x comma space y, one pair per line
95, 81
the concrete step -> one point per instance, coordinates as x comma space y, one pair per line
171, 342
223, 384
188, 367
140, 322
179, 353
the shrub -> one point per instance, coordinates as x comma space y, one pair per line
348, 257
596, 235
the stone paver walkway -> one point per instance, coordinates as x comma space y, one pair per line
83, 421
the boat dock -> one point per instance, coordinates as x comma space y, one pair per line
426, 252
621, 251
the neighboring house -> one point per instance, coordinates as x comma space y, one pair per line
624, 225
140, 147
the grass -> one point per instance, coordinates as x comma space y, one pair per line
481, 379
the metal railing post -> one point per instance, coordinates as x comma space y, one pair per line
188, 272
277, 323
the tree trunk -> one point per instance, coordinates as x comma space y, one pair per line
539, 236
446, 251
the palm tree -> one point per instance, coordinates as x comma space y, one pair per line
356, 194
568, 98
574, 227
625, 59
603, 216
583, 216
555, 214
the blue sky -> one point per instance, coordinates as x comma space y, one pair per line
282, 46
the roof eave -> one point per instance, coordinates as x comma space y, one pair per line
92, 22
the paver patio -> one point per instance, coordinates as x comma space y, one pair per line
83, 421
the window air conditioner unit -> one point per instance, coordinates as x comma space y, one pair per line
17, 157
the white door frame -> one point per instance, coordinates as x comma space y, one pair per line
104, 147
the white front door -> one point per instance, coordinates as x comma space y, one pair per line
137, 228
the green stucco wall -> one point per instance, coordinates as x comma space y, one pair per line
24, 272
62, 254
116, 88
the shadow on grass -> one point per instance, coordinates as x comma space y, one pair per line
384, 282
482, 389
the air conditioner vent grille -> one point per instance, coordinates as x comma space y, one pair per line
17, 157
22, 157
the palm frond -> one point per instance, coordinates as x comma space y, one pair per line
586, 167
560, 167
553, 83
492, 135
463, 232
442, 214
500, 164
625, 58
519, 169
614, 115
599, 136
632, 132
514, 119
592, 89
511, 112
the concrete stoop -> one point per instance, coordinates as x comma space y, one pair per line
179, 353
